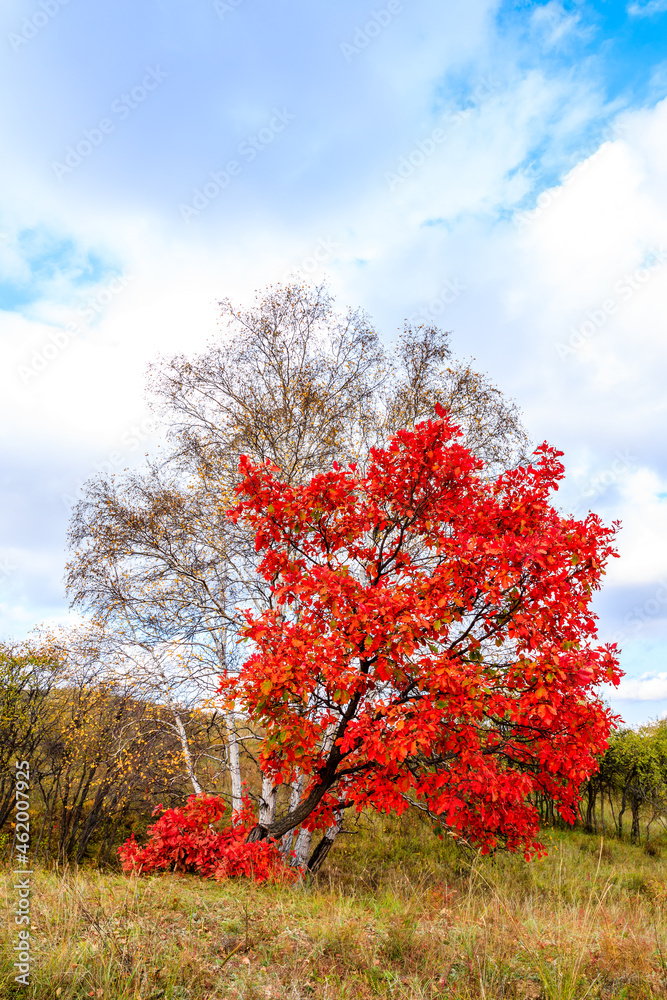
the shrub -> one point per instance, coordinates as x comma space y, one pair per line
186, 840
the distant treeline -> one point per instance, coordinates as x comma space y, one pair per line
632, 779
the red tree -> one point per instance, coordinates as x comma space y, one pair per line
431, 638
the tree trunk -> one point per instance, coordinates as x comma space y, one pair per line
295, 798
326, 843
295, 818
7, 806
591, 792
78, 803
327, 777
187, 757
233, 754
611, 806
267, 803
302, 848
234, 759
47, 807
624, 802
635, 803
54, 800
95, 817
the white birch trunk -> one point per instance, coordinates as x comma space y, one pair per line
304, 837
187, 757
234, 762
302, 847
294, 799
233, 755
267, 802
297, 792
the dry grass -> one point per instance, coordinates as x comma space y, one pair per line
395, 914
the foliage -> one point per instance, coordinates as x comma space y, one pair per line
635, 767
185, 840
430, 640
28, 674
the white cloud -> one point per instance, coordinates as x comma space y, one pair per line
643, 539
647, 9
556, 23
648, 687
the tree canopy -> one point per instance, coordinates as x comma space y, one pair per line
430, 639
293, 381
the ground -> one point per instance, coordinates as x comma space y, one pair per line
395, 913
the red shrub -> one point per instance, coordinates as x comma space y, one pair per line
186, 840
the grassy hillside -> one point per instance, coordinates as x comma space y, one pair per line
395, 913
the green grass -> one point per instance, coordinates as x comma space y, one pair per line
395, 913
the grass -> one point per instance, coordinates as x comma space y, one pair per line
396, 913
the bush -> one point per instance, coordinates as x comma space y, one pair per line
185, 840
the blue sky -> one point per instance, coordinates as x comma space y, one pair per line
498, 168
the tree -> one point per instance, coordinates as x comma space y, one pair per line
293, 381
430, 639
28, 673
636, 766
301, 384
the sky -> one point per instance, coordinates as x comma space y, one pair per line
496, 168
